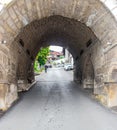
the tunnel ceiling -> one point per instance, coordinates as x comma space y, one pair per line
55, 30
62, 22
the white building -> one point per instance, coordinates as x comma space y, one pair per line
68, 57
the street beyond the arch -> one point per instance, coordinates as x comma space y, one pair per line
57, 103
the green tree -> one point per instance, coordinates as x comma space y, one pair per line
36, 66
42, 56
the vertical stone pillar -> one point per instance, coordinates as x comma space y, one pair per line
3, 91
77, 72
8, 94
111, 94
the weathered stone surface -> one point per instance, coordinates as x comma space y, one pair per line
87, 29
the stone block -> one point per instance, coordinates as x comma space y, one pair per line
8, 94
112, 95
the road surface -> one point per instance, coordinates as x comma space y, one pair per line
57, 103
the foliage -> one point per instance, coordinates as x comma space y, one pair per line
61, 57
42, 56
36, 66
41, 59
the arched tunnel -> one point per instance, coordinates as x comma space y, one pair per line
84, 28
58, 30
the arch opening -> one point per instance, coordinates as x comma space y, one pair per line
53, 60
59, 31
84, 33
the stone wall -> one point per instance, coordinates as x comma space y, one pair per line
25, 24
104, 63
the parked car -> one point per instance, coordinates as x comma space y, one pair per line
49, 65
60, 65
68, 67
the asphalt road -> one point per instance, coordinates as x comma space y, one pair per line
57, 103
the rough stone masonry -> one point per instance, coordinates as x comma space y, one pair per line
88, 29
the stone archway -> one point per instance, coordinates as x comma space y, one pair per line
83, 27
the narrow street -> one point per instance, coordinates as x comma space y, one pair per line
57, 103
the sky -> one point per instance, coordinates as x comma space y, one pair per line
5, 1
56, 48
2, 2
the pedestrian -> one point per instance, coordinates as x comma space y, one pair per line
46, 67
